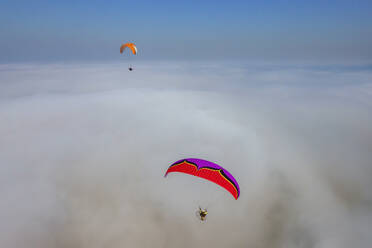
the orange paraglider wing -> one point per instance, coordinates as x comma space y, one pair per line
131, 46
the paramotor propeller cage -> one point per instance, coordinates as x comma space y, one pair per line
201, 214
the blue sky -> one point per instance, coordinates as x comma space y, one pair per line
93, 30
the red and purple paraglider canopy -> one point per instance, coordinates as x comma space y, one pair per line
207, 170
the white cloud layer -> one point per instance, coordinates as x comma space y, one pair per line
84, 147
